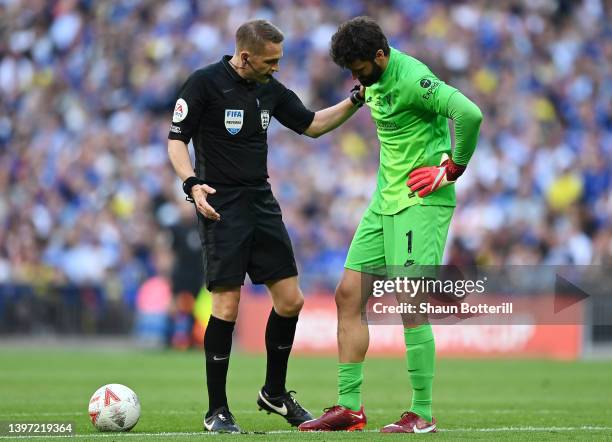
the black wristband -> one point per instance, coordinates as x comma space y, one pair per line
188, 185
356, 99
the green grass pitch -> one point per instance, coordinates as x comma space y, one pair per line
473, 399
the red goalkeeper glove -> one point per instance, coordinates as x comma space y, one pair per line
426, 180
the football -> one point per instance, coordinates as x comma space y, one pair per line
114, 407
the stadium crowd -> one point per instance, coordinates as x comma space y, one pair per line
87, 89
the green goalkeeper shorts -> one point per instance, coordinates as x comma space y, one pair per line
413, 237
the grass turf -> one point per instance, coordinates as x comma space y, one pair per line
473, 399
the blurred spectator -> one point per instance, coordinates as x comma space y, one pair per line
87, 88
187, 276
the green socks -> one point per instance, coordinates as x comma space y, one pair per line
420, 359
350, 377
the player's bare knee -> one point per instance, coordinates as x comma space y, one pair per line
227, 312
291, 306
297, 304
347, 296
225, 306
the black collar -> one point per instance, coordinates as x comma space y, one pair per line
232, 72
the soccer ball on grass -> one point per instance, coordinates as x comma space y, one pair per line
114, 407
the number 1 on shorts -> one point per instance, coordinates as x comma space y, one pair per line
409, 262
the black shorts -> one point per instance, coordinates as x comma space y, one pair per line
250, 238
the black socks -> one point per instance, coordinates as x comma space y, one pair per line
280, 332
217, 348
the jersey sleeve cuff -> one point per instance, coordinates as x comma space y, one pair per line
173, 136
307, 124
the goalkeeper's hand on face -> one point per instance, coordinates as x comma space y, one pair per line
426, 180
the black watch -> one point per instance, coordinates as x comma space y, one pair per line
188, 185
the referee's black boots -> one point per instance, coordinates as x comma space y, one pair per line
221, 421
284, 405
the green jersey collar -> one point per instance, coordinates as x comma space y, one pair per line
390, 65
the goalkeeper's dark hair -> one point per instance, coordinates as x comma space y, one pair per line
254, 34
357, 39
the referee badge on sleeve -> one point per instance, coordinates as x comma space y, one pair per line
265, 119
180, 111
233, 120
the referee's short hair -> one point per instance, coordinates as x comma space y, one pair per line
254, 34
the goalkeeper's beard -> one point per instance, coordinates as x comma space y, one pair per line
374, 76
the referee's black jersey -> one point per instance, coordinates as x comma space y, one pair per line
228, 118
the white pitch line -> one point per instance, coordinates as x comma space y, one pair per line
64, 413
527, 429
318, 434
252, 411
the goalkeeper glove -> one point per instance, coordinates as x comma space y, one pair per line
426, 180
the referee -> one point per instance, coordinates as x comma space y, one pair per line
225, 108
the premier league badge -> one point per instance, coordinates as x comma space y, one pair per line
265, 119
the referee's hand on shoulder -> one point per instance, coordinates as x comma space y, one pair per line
199, 193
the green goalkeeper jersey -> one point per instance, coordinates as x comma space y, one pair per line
410, 107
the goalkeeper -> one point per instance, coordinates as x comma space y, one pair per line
409, 215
